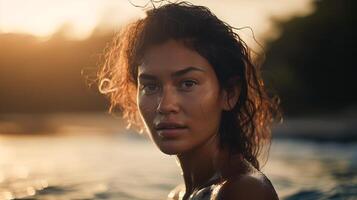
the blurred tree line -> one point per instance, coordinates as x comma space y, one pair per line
311, 66
49, 76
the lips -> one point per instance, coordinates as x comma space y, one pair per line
170, 129
169, 125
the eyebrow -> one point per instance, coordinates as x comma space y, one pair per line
174, 74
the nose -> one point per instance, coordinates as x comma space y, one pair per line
167, 102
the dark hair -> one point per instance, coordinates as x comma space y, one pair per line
247, 127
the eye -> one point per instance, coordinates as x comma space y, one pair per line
188, 84
149, 88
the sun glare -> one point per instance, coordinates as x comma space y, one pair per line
80, 17
43, 18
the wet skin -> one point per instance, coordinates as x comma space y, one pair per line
177, 85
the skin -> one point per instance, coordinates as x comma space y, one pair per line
176, 84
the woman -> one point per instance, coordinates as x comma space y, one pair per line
185, 77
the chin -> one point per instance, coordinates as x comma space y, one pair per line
172, 147
169, 152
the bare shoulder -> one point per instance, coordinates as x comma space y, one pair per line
253, 186
176, 192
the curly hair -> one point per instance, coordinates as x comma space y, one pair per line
244, 129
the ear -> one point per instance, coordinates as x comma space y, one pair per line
230, 98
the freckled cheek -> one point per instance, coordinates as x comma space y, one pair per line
147, 108
205, 110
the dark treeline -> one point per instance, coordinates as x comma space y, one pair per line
46, 76
311, 65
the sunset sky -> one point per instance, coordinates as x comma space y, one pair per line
44, 17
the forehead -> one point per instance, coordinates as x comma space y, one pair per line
171, 56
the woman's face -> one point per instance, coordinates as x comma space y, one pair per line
178, 97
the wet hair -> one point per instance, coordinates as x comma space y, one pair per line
246, 128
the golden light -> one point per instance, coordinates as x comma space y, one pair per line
79, 18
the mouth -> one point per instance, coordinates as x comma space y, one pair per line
170, 130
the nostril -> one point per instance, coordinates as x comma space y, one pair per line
167, 104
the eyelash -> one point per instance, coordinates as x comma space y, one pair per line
190, 81
144, 86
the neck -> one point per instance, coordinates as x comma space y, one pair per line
200, 165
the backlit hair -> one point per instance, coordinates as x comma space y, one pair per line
245, 129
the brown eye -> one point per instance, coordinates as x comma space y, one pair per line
188, 84
150, 88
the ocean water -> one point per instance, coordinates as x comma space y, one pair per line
123, 165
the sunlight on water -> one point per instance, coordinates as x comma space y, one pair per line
84, 167
127, 166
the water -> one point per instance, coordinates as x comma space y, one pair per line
308, 170
126, 166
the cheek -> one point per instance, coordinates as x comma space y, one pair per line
147, 107
206, 109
